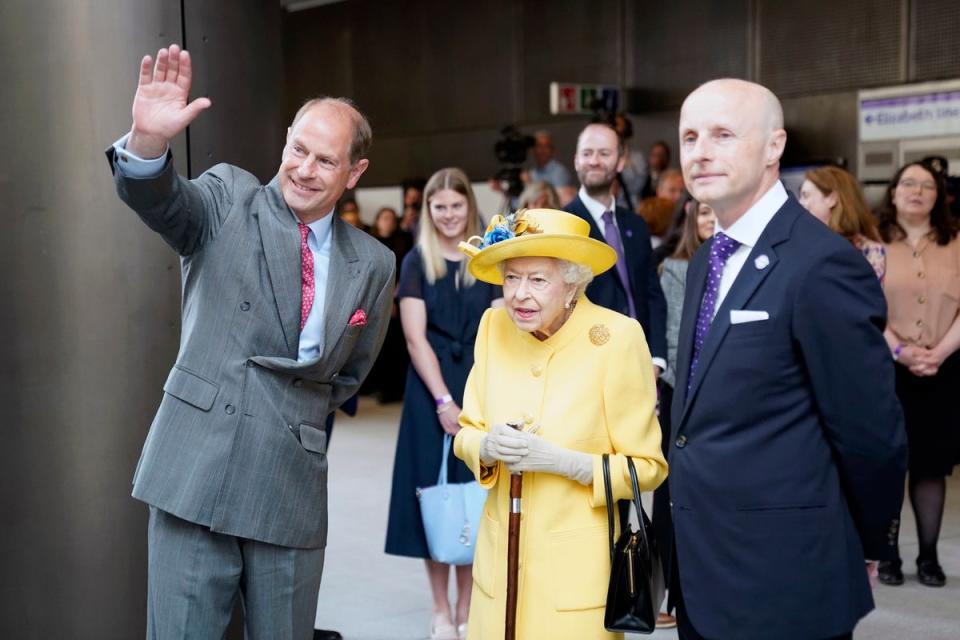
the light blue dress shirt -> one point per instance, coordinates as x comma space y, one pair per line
319, 240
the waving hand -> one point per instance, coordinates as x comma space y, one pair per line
160, 108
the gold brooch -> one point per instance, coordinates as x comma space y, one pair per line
599, 334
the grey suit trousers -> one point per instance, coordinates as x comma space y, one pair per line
195, 576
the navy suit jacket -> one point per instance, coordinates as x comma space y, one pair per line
606, 289
789, 452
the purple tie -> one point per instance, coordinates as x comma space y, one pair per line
720, 251
612, 236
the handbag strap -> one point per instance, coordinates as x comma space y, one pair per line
447, 441
609, 494
641, 514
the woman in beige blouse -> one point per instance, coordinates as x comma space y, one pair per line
923, 332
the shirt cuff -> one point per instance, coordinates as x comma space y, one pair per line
660, 362
133, 166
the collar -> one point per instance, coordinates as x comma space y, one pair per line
597, 208
321, 231
751, 224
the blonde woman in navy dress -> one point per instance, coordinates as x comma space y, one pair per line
440, 309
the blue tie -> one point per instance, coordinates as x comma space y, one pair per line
720, 251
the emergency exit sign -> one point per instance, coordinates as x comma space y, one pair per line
583, 98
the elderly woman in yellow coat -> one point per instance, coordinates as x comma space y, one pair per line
580, 379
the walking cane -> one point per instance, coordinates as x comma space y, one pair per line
513, 549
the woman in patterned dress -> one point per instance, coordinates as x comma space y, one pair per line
833, 196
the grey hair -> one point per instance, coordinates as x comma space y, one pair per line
573, 273
576, 273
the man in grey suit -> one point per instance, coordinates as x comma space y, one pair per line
284, 310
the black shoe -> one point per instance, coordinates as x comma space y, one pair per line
326, 634
930, 573
890, 573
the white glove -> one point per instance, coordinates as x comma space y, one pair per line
545, 457
502, 443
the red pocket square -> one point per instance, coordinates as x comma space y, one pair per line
358, 319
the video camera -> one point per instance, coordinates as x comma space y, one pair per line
511, 152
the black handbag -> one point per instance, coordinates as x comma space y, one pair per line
636, 576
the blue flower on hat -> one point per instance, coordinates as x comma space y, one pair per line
498, 233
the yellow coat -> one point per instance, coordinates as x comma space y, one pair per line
590, 386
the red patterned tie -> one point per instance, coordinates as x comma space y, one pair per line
306, 270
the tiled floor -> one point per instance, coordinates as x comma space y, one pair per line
368, 595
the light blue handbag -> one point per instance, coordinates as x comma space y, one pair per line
451, 515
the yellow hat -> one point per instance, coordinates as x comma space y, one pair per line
544, 233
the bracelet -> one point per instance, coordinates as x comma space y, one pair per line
896, 352
443, 408
444, 399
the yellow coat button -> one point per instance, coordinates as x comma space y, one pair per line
536, 370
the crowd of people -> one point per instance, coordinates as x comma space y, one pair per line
763, 363
909, 242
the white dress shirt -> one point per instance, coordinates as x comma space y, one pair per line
319, 240
746, 230
597, 209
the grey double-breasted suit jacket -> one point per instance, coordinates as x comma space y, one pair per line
238, 443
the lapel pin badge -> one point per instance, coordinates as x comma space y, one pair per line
629, 233
761, 262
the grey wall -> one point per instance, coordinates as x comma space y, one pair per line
238, 64
89, 319
439, 79
91, 297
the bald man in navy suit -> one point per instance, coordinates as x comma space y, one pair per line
789, 453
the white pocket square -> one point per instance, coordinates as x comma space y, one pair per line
740, 316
